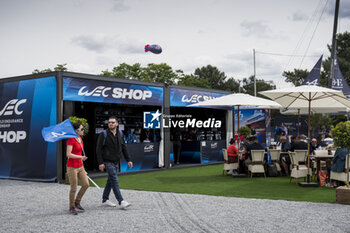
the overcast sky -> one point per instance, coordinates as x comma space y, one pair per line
95, 35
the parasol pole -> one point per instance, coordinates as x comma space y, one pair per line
308, 144
298, 120
238, 121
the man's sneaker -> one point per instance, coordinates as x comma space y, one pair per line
79, 208
124, 204
73, 211
109, 203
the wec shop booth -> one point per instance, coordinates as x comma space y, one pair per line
32, 102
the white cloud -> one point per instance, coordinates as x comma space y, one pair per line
104, 43
97, 44
255, 28
119, 6
299, 16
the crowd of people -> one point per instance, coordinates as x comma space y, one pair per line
285, 144
243, 153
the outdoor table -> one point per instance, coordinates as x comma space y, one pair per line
322, 155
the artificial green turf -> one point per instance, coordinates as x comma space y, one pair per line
210, 181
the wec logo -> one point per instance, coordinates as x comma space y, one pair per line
12, 106
196, 98
117, 93
148, 148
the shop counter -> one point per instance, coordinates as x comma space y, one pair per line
211, 151
144, 156
202, 151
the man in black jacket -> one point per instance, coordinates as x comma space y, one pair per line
109, 151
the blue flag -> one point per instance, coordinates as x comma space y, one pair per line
57, 132
314, 76
339, 83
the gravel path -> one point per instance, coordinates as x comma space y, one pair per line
43, 207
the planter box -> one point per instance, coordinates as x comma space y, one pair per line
343, 195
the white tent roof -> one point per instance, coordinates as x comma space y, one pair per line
298, 98
239, 100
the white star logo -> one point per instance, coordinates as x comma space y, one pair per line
156, 115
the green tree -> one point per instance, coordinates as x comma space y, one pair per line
296, 77
215, 78
125, 71
82, 121
160, 73
59, 67
261, 85
231, 85
192, 81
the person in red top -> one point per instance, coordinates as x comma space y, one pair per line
232, 152
75, 169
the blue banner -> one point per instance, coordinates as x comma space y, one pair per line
60, 131
339, 83
25, 108
84, 90
183, 97
254, 118
314, 76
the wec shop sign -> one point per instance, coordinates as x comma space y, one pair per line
184, 97
75, 89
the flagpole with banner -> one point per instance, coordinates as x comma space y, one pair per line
60, 131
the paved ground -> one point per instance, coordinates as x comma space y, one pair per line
43, 207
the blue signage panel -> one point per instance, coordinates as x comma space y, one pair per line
25, 108
75, 89
183, 97
141, 161
254, 118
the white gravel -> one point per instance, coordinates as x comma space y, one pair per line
43, 207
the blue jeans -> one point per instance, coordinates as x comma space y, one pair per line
112, 182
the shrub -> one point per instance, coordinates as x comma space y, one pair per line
244, 131
341, 134
83, 121
341, 137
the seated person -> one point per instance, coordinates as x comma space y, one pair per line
232, 153
284, 143
255, 145
329, 140
244, 144
338, 163
285, 159
299, 144
313, 146
243, 151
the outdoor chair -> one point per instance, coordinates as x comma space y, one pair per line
299, 167
257, 165
275, 157
228, 166
341, 176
